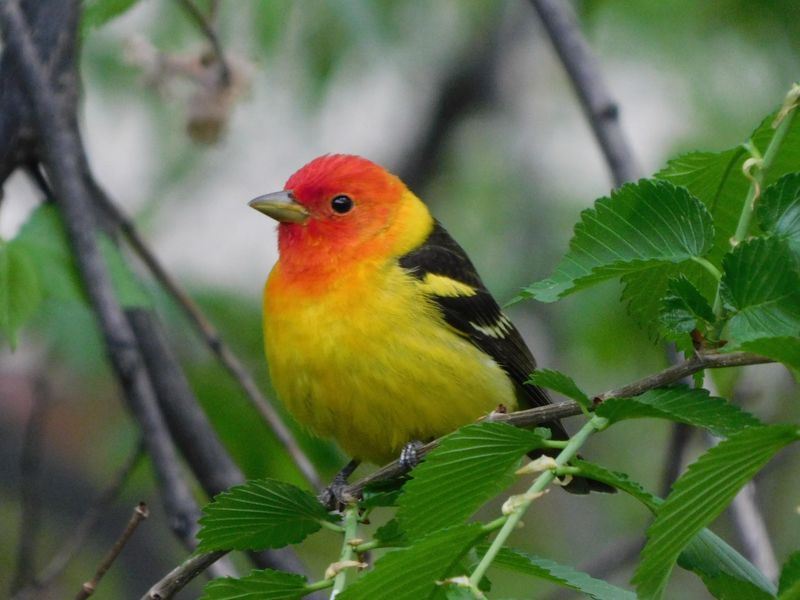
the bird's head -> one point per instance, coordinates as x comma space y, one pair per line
340, 206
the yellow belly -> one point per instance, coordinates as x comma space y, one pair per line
359, 368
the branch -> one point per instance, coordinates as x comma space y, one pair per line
543, 414
140, 513
598, 105
56, 122
211, 337
78, 537
205, 26
176, 580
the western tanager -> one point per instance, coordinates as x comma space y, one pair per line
378, 330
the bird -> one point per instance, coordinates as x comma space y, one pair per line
378, 330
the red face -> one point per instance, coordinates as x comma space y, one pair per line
350, 201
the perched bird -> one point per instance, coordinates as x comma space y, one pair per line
378, 330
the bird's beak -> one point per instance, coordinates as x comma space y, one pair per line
281, 206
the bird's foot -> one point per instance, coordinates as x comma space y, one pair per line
409, 455
335, 496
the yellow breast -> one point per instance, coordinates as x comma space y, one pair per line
370, 362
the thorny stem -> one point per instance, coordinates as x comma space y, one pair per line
348, 551
542, 481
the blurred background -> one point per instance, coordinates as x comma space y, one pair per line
467, 101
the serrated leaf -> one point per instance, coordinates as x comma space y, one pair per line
469, 467
641, 225
563, 384
682, 404
781, 349
644, 290
789, 584
706, 554
412, 573
778, 210
684, 307
20, 291
760, 284
258, 585
717, 180
700, 495
260, 514
715, 561
543, 568
618, 480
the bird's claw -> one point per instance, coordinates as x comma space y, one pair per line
409, 455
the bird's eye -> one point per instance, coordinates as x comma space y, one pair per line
341, 204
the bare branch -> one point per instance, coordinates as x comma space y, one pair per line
56, 122
79, 536
543, 414
176, 580
212, 339
598, 105
208, 30
140, 513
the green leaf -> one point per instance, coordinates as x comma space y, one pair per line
642, 225
725, 587
618, 480
789, 585
778, 211
717, 563
98, 12
258, 585
563, 384
412, 573
761, 286
644, 291
700, 495
683, 307
260, 514
782, 349
44, 238
682, 404
20, 292
468, 468
706, 554
543, 568
129, 290
717, 180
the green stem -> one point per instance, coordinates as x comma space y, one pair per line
367, 546
331, 526
350, 532
318, 585
769, 156
595, 424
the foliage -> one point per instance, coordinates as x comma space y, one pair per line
672, 240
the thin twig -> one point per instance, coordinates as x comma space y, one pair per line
140, 513
176, 580
30, 492
208, 30
213, 340
81, 533
543, 414
598, 105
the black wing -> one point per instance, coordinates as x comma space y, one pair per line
470, 309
